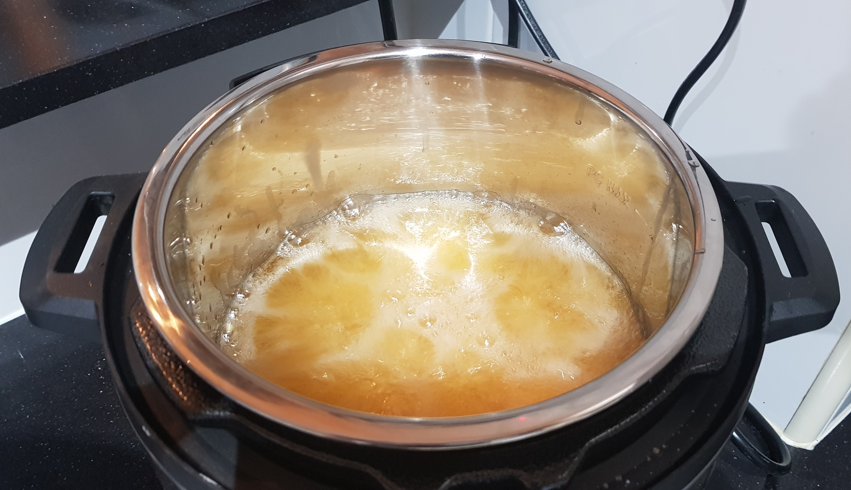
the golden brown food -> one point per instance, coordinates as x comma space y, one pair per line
432, 304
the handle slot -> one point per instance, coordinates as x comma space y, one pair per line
778, 254
777, 230
84, 235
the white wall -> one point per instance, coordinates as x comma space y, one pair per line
773, 109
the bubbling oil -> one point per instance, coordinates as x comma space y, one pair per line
432, 304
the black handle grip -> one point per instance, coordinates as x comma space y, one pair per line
807, 300
53, 296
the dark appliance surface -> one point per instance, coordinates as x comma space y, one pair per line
62, 426
667, 434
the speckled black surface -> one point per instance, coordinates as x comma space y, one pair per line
55, 52
827, 467
61, 427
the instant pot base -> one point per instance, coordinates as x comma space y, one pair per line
657, 419
664, 435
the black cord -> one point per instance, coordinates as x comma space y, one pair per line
388, 20
706, 62
513, 24
518, 8
775, 445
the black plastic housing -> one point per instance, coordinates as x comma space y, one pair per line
665, 435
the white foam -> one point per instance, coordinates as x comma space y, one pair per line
455, 309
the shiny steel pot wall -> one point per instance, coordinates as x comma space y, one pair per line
289, 145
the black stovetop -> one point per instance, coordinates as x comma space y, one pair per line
61, 426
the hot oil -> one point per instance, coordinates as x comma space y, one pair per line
430, 305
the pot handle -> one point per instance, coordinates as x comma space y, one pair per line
807, 300
53, 295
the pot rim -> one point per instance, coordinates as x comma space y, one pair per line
298, 412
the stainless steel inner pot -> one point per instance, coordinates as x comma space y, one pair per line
289, 145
